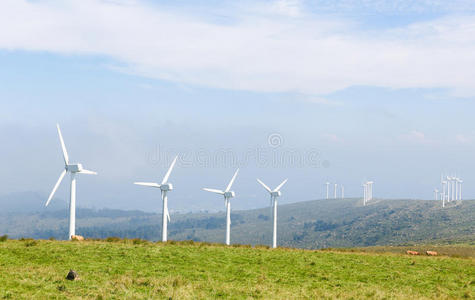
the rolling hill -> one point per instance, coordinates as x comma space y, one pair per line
312, 225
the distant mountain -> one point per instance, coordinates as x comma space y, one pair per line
28, 202
312, 224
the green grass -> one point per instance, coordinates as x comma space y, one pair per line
180, 270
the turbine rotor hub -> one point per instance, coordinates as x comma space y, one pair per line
166, 187
229, 195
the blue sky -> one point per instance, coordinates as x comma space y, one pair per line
352, 90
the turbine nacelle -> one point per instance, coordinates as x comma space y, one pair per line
229, 195
276, 194
74, 168
166, 187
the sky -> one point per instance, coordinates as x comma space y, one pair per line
313, 91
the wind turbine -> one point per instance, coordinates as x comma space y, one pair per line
448, 188
228, 194
460, 188
334, 192
444, 192
370, 190
72, 169
365, 193
436, 194
342, 191
273, 199
328, 189
454, 187
164, 187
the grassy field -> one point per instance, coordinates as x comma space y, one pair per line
139, 269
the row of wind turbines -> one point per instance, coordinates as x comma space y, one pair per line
451, 189
165, 186
335, 190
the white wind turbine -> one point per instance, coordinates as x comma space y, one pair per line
460, 181
73, 169
164, 187
365, 193
328, 189
228, 194
273, 199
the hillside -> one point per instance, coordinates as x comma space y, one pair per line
313, 224
140, 269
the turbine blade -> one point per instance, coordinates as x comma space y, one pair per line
56, 187
150, 184
63, 146
214, 191
168, 215
264, 185
88, 172
280, 186
165, 179
232, 181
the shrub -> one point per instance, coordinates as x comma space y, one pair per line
139, 241
3, 238
113, 239
30, 243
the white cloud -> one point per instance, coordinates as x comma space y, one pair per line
324, 101
462, 138
264, 52
287, 7
416, 137
332, 138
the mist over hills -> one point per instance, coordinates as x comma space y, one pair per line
312, 224
28, 202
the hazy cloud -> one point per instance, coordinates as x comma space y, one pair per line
305, 53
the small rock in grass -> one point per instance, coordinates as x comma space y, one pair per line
72, 275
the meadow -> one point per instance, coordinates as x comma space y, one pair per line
117, 268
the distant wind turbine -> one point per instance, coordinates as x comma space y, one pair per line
228, 194
73, 169
164, 187
273, 199
334, 192
365, 193
328, 189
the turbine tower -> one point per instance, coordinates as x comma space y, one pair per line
228, 194
72, 169
164, 187
342, 191
365, 193
370, 190
454, 187
444, 192
448, 188
273, 199
328, 189
334, 192
436, 194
